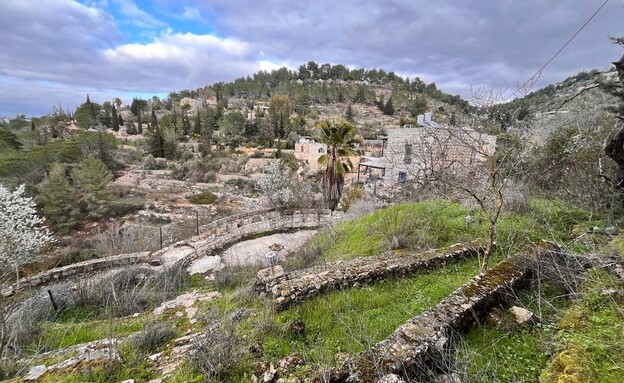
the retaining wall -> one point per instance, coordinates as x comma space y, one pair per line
214, 237
287, 289
421, 345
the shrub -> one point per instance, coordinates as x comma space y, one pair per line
351, 195
130, 290
234, 276
220, 350
203, 198
154, 335
149, 163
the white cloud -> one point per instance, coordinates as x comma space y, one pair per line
136, 16
192, 14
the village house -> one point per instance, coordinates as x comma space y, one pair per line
412, 153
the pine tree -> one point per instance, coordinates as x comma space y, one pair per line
33, 127
92, 181
59, 199
114, 120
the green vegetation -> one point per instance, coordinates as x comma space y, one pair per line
59, 335
438, 223
350, 320
591, 334
203, 198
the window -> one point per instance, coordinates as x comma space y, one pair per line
321, 150
402, 177
408, 153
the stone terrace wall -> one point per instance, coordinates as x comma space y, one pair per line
421, 343
214, 236
76, 269
291, 288
227, 231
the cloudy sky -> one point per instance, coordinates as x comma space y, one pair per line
57, 51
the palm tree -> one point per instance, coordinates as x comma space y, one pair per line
340, 140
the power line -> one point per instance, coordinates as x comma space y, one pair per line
559, 51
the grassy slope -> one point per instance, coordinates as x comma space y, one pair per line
346, 321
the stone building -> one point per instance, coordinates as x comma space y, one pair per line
309, 151
413, 153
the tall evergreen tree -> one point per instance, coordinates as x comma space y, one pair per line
114, 119
197, 128
389, 107
33, 127
140, 123
153, 119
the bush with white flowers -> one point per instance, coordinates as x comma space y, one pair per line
21, 231
275, 184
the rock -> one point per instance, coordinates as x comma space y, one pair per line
128, 381
448, 378
291, 361
607, 292
186, 300
154, 356
35, 372
391, 378
267, 278
159, 380
256, 350
71, 362
297, 328
260, 368
269, 375
7, 292
523, 315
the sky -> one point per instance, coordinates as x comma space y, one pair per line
57, 51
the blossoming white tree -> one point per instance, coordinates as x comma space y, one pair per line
21, 231
275, 184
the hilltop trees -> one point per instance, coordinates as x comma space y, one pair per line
340, 141
231, 129
86, 114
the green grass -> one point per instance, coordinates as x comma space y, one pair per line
55, 336
591, 334
133, 365
349, 321
438, 223
508, 352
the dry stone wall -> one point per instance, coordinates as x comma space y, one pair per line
214, 237
421, 344
287, 289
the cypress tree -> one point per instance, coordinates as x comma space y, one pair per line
389, 107
140, 123
33, 127
197, 127
114, 119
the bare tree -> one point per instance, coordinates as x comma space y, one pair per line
462, 163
